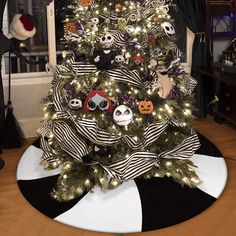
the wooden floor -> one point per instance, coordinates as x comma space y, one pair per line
18, 218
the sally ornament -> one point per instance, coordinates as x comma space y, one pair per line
97, 99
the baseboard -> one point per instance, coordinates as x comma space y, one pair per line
30, 126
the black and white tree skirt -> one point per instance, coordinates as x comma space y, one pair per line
135, 206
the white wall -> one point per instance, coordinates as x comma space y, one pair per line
26, 98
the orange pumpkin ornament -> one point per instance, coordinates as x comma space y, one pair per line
118, 7
152, 40
71, 27
145, 107
86, 3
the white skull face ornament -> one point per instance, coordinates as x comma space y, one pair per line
123, 115
169, 29
107, 40
95, 21
119, 59
75, 104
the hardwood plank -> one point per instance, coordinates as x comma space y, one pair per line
18, 217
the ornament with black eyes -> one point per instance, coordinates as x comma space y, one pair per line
123, 115
107, 40
94, 21
168, 29
75, 104
97, 100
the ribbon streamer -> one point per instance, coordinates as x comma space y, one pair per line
191, 83
140, 162
48, 152
84, 68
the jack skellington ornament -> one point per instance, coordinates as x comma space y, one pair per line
107, 40
97, 99
123, 115
169, 29
75, 104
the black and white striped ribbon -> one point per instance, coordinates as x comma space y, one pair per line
191, 83
151, 134
48, 153
132, 166
112, 16
90, 130
58, 101
185, 150
68, 140
128, 168
129, 77
119, 38
84, 68
140, 162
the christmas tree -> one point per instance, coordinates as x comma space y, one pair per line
119, 106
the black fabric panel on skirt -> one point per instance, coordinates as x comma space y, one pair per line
165, 202
36, 143
207, 147
37, 192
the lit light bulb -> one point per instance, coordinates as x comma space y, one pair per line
65, 176
156, 175
67, 166
168, 163
114, 183
87, 182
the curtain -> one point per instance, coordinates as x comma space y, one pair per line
193, 14
2, 108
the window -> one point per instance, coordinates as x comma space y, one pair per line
35, 48
44, 45
184, 37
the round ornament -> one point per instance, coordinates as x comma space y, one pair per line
118, 7
153, 62
119, 59
70, 90
71, 27
86, 3
168, 29
138, 59
145, 107
151, 40
75, 104
129, 29
97, 99
123, 115
122, 24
